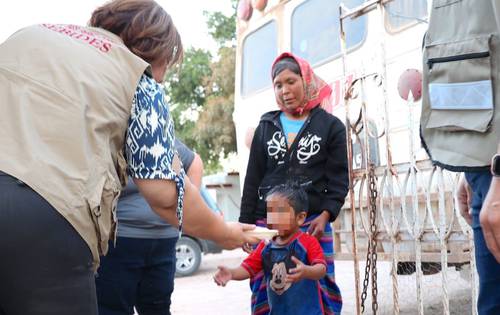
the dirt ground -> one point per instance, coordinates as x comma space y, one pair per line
198, 294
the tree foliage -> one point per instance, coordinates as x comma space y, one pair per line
222, 28
215, 127
186, 93
201, 94
185, 83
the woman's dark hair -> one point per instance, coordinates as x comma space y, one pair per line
145, 28
294, 193
283, 64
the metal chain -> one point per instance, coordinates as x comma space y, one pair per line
371, 255
367, 278
373, 230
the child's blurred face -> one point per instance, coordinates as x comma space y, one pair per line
282, 217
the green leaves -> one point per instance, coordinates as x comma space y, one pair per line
185, 83
221, 28
201, 94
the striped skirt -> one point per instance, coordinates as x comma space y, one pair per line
330, 292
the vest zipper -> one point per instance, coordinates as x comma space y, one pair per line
432, 61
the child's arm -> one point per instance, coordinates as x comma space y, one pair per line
224, 275
251, 265
302, 271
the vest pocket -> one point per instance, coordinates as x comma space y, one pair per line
460, 85
102, 207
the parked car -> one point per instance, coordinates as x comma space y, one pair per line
190, 248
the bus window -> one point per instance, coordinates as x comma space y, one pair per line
259, 50
315, 29
402, 13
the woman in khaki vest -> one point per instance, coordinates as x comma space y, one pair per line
75, 101
460, 122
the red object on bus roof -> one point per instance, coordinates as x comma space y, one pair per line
410, 80
259, 4
245, 10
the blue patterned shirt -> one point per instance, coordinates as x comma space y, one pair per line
150, 139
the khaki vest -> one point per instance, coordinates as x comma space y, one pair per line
66, 94
459, 123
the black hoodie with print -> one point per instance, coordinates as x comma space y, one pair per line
317, 159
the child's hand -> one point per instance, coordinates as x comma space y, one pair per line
298, 273
222, 276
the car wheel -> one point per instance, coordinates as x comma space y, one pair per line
188, 255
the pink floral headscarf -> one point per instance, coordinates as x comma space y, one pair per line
317, 92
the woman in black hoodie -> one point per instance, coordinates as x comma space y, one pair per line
303, 143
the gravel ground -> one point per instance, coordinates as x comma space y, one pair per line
198, 294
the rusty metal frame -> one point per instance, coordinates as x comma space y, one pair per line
420, 197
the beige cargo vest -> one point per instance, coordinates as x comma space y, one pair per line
66, 94
460, 126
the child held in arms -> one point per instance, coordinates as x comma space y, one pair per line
293, 261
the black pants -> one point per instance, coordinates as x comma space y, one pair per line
45, 266
137, 272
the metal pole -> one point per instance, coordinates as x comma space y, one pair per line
417, 230
443, 241
350, 167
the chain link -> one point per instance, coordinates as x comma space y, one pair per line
371, 254
367, 278
373, 230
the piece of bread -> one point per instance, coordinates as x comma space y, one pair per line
262, 233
